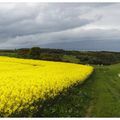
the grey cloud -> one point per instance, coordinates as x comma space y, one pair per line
30, 24
68, 36
23, 19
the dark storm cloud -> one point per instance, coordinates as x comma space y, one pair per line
30, 24
23, 19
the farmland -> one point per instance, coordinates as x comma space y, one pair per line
26, 84
97, 96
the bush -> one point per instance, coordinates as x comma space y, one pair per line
51, 57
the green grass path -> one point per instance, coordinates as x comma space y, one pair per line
106, 92
99, 96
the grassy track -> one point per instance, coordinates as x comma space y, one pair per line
99, 96
106, 92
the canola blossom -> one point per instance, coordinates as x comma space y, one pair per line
25, 81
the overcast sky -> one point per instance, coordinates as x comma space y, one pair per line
89, 25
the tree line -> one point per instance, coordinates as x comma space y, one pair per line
84, 57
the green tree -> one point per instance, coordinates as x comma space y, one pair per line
35, 52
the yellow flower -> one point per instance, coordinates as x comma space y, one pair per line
24, 81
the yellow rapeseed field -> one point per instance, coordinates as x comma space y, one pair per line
23, 81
